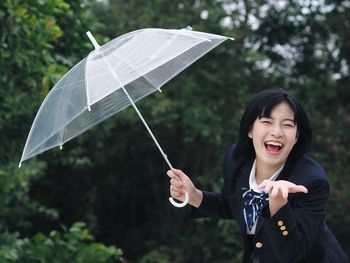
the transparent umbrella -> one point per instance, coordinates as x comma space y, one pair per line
112, 77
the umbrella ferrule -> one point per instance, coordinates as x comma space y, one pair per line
93, 40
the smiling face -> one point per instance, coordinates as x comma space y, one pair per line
274, 137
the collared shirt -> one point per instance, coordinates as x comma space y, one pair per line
253, 185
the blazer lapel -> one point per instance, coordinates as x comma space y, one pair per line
259, 227
242, 185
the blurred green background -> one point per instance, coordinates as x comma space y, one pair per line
104, 197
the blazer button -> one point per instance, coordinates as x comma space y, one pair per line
283, 228
258, 245
285, 233
280, 223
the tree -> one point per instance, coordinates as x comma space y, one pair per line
30, 63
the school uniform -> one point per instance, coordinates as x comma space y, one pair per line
296, 233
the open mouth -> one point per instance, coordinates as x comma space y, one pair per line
273, 146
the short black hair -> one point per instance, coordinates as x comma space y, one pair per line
261, 106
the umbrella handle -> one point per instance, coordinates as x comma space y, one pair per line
172, 201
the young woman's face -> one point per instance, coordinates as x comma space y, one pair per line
274, 136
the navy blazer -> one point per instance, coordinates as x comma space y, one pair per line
297, 232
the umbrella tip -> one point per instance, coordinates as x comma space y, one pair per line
20, 164
93, 40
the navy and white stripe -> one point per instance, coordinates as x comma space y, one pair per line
253, 203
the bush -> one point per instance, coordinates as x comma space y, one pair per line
74, 245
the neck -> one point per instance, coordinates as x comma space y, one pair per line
264, 172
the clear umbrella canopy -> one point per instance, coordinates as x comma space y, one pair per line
140, 61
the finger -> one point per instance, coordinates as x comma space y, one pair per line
263, 184
175, 174
178, 195
171, 174
180, 174
284, 192
274, 191
176, 183
176, 171
268, 187
298, 188
175, 190
175, 194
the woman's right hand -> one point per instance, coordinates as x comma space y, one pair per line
181, 183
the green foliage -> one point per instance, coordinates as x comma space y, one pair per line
158, 255
30, 63
73, 245
29, 31
112, 177
16, 205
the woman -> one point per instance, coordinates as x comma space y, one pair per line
276, 194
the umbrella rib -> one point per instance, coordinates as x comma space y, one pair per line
86, 84
187, 32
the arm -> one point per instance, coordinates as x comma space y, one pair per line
278, 193
206, 204
293, 228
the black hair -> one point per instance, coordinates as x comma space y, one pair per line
261, 106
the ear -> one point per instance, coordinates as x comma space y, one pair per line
250, 134
296, 138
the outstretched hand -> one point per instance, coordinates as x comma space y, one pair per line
278, 192
181, 183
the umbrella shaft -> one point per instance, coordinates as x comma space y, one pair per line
148, 129
138, 112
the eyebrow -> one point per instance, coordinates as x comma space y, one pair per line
269, 117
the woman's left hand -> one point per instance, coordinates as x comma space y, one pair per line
278, 193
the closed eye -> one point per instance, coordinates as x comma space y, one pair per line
289, 125
265, 121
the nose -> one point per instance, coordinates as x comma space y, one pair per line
276, 131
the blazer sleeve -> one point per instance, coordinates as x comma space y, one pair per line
217, 205
293, 229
